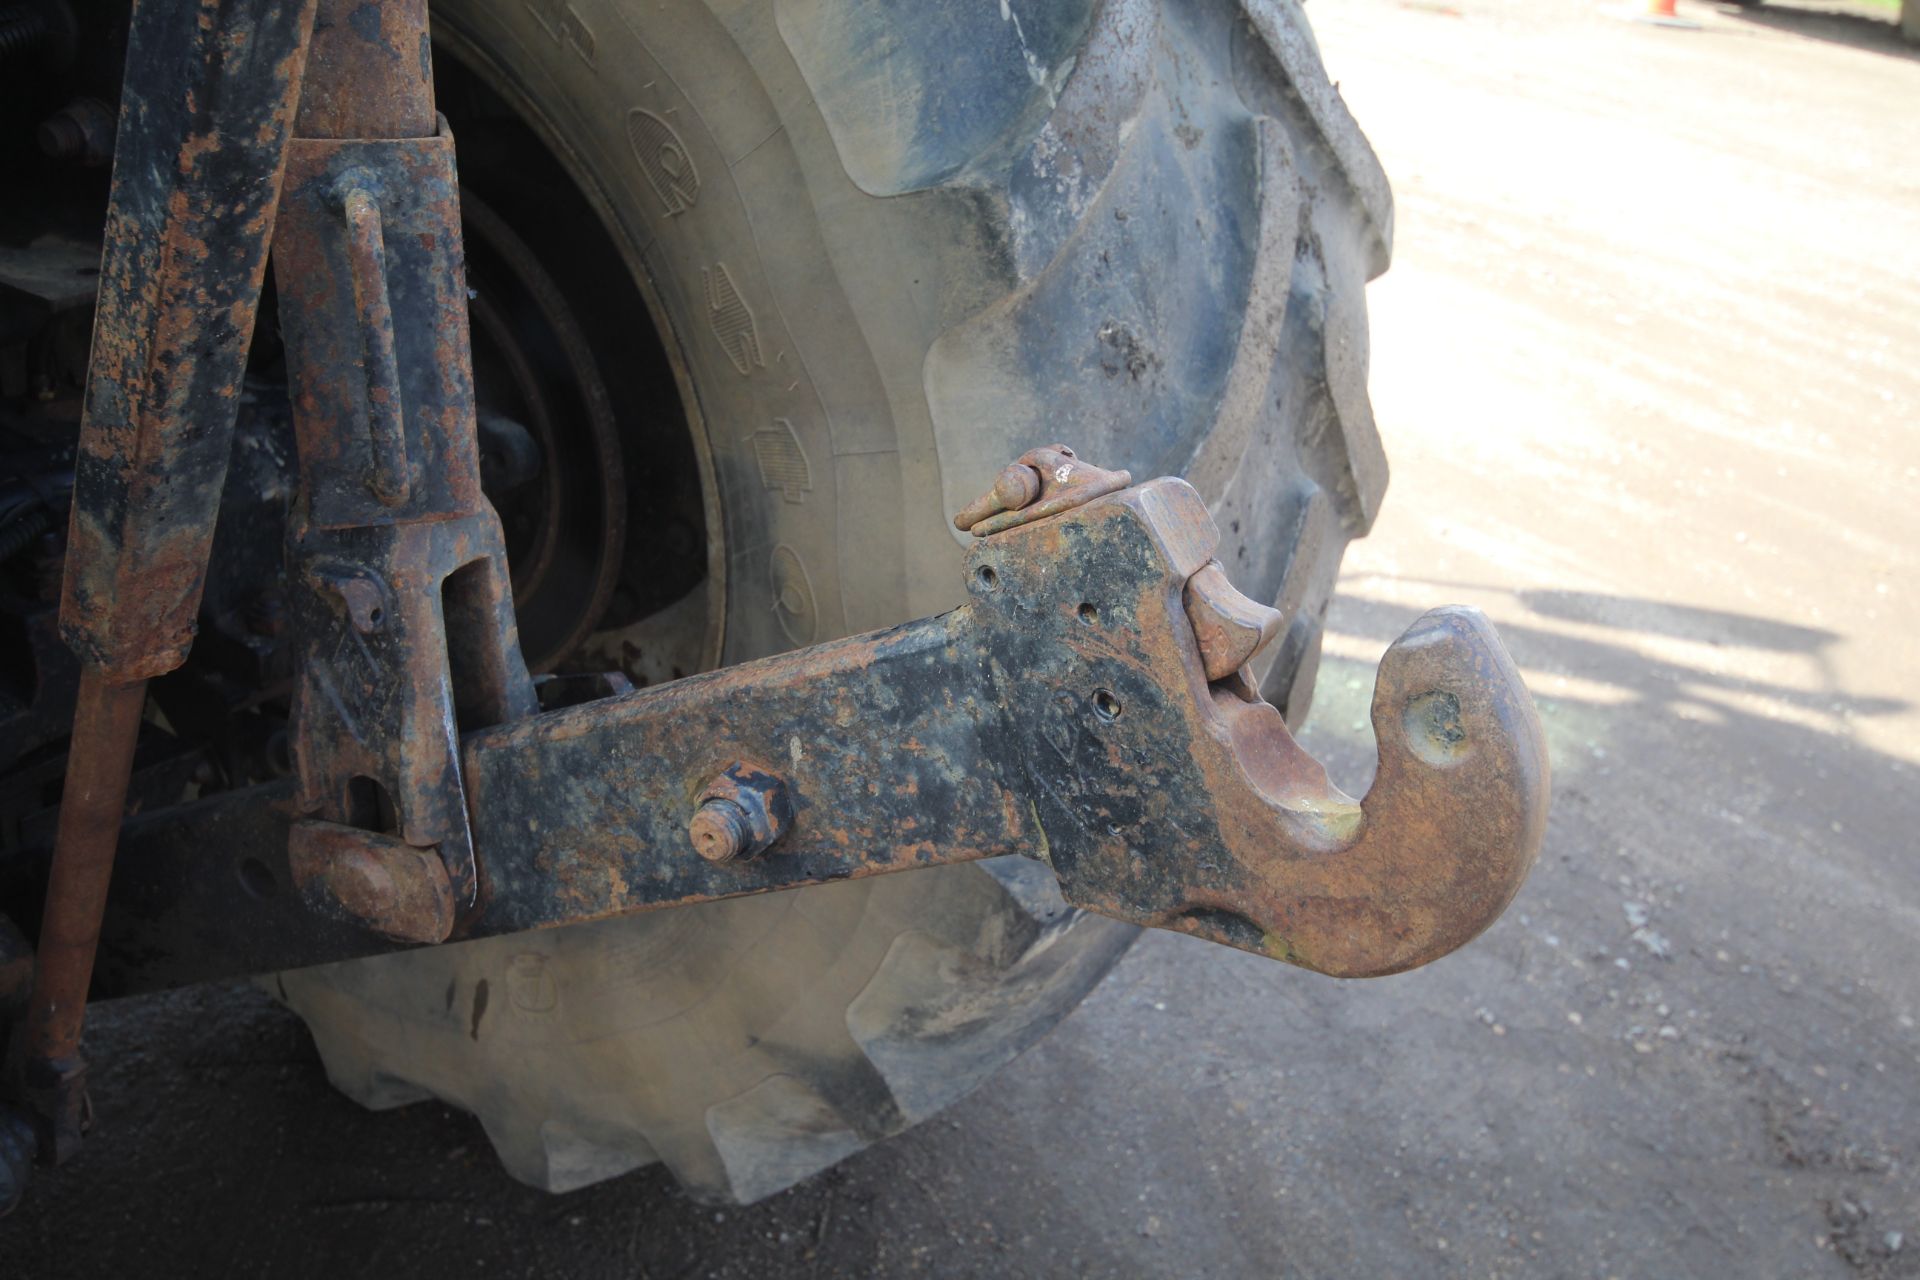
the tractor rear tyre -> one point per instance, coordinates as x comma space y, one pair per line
876, 250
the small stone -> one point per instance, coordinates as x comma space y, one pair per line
1574, 1017
1669, 1033
1642, 1046
1894, 1240
1621, 962
1636, 912
1654, 942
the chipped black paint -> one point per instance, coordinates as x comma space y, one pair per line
206, 108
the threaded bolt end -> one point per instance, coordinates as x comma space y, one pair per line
720, 830
22, 28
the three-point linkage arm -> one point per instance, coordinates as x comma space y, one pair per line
1088, 707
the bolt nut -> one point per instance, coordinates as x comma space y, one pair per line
741, 812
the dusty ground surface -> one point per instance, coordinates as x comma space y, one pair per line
1646, 367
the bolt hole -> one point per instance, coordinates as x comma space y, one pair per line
1105, 705
376, 615
256, 877
1089, 613
986, 577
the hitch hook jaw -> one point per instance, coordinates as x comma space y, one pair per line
1171, 795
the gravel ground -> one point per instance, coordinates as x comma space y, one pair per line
1645, 369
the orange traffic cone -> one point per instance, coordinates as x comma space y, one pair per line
1661, 13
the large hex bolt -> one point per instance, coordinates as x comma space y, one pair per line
742, 811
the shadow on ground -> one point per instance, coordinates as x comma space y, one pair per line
1855, 30
1780, 1075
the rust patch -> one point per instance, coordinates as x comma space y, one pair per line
377, 881
199, 164
369, 78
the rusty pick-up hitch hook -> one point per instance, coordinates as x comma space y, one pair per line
1182, 801
1442, 840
